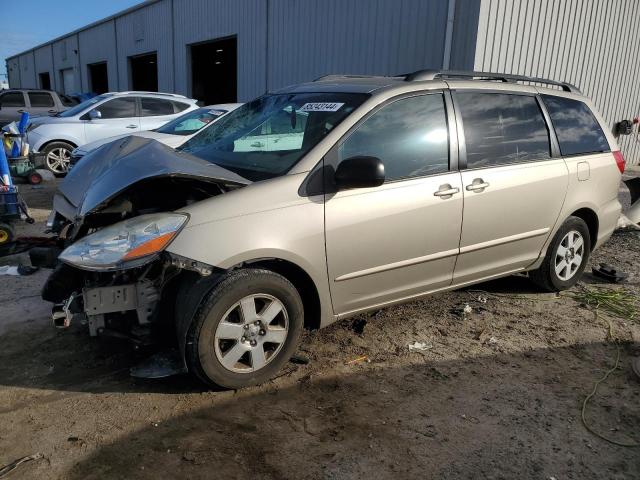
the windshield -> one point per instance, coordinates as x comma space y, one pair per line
81, 106
265, 138
191, 122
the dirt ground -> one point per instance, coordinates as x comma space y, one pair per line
496, 395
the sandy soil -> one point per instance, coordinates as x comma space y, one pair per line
496, 395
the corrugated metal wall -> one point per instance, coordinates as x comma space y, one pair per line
308, 39
589, 43
65, 56
27, 70
44, 64
142, 31
280, 42
98, 44
203, 20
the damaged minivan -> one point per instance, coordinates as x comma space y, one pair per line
325, 200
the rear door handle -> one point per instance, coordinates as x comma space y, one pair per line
446, 191
132, 126
478, 185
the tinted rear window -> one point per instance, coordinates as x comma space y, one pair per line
155, 106
500, 129
577, 129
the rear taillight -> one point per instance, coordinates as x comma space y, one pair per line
619, 160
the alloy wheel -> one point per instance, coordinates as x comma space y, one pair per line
251, 333
569, 255
58, 160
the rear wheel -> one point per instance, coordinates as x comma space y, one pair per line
566, 257
245, 330
57, 156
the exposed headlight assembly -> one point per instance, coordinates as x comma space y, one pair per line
127, 244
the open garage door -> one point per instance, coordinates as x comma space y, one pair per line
144, 72
98, 77
214, 77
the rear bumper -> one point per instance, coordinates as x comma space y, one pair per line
608, 217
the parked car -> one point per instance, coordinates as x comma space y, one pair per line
172, 134
37, 102
395, 188
101, 117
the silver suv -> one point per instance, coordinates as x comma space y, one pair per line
103, 116
328, 199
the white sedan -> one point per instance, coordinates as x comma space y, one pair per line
172, 134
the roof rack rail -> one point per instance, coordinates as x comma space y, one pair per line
422, 75
137, 92
338, 76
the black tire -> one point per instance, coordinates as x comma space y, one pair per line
546, 276
35, 178
6, 233
48, 162
200, 352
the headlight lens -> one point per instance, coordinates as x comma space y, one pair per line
127, 244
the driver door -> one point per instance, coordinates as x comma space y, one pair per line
401, 239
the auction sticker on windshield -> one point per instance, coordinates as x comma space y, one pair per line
320, 107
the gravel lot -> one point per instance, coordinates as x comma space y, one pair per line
496, 394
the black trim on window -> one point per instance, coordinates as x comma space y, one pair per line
554, 150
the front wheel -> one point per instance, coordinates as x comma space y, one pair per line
245, 330
566, 257
57, 157
6, 233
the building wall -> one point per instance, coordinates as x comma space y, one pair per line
198, 21
65, 56
98, 44
27, 70
44, 64
589, 43
146, 30
280, 42
309, 39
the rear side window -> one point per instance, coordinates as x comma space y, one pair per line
12, 99
179, 106
118, 108
501, 129
40, 99
577, 129
410, 136
154, 106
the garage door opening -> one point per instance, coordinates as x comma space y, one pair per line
98, 77
214, 71
144, 72
45, 81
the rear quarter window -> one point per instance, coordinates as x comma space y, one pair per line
576, 127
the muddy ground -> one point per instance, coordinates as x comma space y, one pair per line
496, 395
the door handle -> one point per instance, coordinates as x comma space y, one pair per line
21, 111
478, 185
53, 111
132, 126
446, 190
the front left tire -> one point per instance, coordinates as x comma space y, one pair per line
245, 329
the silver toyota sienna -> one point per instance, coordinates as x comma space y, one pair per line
325, 200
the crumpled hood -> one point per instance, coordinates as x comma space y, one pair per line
165, 138
110, 169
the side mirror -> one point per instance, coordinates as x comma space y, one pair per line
359, 172
94, 114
